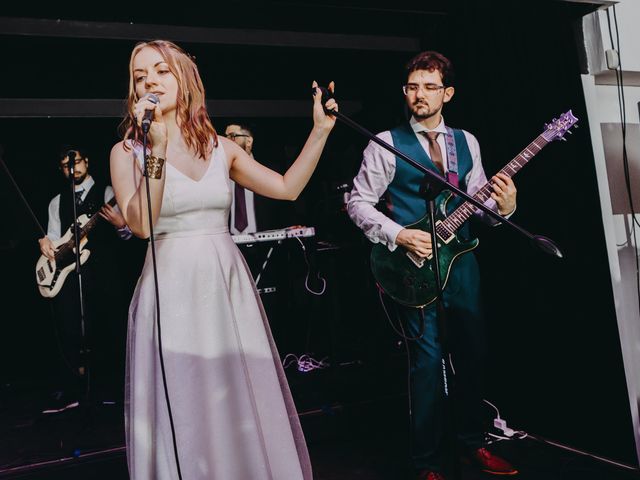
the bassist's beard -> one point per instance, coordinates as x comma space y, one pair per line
80, 178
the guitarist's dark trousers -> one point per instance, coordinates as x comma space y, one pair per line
466, 332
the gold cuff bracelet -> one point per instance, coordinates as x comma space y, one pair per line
154, 166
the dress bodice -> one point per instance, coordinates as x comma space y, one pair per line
195, 206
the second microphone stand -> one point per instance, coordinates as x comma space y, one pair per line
84, 353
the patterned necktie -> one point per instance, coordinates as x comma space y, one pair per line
434, 150
79, 197
240, 212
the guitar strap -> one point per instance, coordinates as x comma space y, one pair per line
452, 158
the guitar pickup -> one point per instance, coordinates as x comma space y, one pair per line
417, 260
445, 235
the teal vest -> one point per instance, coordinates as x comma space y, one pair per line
405, 206
404, 203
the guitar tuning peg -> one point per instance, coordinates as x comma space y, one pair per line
563, 139
569, 132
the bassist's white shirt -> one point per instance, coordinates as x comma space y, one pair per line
377, 172
54, 229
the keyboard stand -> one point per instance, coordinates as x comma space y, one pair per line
275, 237
262, 269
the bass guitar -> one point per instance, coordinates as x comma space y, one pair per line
410, 279
51, 274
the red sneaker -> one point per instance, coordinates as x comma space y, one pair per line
429, 475
490, 463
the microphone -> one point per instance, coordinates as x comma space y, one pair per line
148, 114
325, 96
71, 156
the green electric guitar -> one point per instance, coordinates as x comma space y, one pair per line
409, 279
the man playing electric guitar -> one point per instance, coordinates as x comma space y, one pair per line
455, 154
90, 198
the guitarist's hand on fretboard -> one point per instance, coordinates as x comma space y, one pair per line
416, 241
504, 193
113, 216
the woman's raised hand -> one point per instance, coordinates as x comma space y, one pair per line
320, 118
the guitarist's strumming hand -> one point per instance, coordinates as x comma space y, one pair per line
47, 248
113, 216
504, 193
416, 241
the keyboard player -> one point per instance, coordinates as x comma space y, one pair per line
242, 219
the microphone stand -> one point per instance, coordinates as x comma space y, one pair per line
84, 354
146, 125
433, 184
430, 191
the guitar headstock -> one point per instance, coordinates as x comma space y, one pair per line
559, 126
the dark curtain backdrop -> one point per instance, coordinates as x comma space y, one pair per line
555, 363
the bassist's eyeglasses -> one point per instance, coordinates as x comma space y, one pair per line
65, 165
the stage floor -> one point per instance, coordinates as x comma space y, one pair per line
360, 440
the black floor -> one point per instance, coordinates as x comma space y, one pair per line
356, 439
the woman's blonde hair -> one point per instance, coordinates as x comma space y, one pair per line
192, 116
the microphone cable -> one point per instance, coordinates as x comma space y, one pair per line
318, 276
157, 293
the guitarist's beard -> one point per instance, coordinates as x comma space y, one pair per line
423, 111
421, 118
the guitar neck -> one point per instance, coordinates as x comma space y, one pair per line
94, 219
70, 244
464, 211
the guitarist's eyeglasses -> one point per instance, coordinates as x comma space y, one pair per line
430, 88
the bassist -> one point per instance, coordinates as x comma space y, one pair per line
88, 200
456, 155
99, 286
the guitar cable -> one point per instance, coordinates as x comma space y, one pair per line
405, 340
401, 333
157, 294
